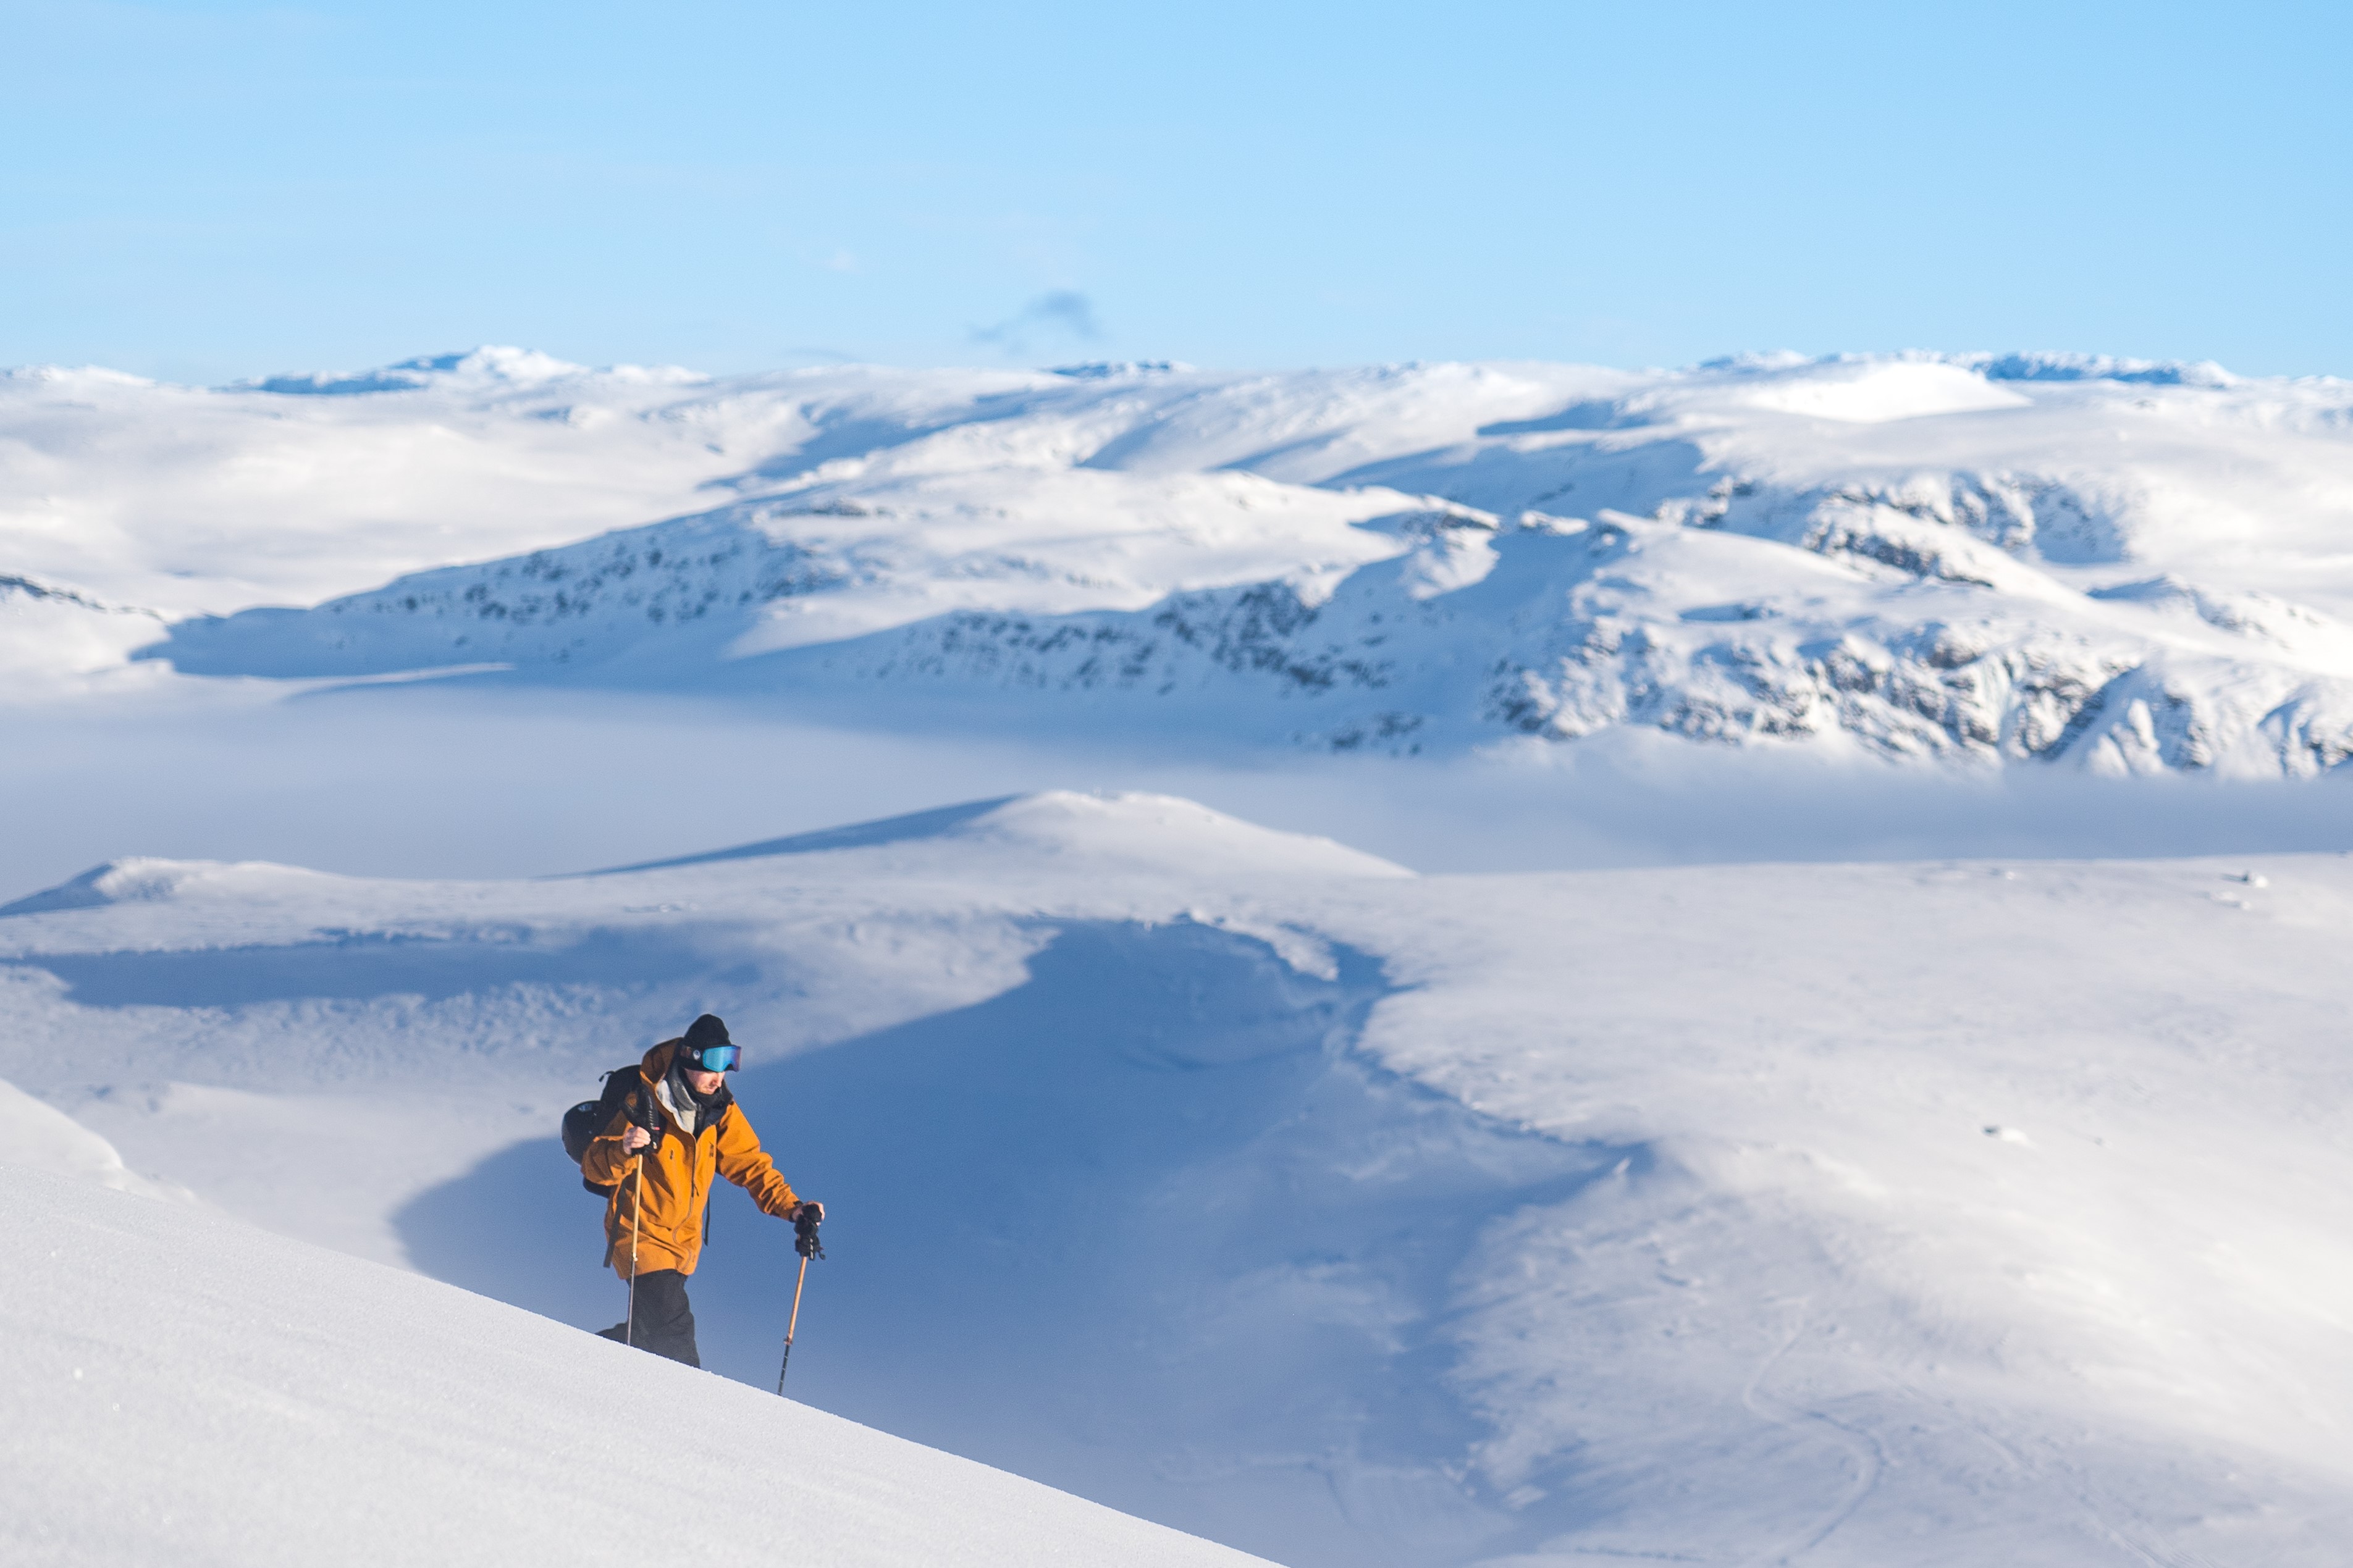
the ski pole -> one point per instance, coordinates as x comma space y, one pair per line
636, 1211
805, 1243
791, 1327
636, 1207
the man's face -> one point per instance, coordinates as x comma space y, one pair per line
703, 1082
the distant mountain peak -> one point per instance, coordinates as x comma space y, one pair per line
490, 365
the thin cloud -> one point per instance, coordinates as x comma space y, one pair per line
1057, 310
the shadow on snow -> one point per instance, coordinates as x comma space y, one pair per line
364, 966
1142, 1227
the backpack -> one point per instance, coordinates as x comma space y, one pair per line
624, 1091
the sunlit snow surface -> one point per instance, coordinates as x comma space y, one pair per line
1965, 559
185, 1389
1933, 1214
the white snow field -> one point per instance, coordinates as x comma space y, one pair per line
1935, 1214
185, 1389
1972, 561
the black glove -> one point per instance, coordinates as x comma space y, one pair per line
647, 1118
804, 1223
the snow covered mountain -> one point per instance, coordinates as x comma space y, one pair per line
1965, 560
1940, 1214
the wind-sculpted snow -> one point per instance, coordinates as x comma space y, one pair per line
1938, 1214
1938, 558
39, 1137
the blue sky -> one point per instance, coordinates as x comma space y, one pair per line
208, 190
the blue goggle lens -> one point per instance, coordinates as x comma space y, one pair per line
714, 1059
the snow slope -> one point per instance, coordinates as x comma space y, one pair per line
1965, 559
1941, 1214
187, 1389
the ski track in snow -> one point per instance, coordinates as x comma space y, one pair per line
1868, 1459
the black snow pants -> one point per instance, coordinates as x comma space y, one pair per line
662, 1319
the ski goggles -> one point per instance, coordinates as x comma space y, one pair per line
710, 1058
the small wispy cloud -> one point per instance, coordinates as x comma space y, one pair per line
1063, 310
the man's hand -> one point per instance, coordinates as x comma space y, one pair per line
634, 1138
805, 1242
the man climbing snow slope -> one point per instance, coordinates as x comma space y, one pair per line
661, 1165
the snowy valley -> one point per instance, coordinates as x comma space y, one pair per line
1946, 1214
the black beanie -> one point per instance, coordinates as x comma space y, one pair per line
706, 1030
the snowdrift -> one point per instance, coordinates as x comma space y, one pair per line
1967, 561
1939, 1214
187, 1389
39, 1137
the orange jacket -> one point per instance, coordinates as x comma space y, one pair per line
663, 1194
